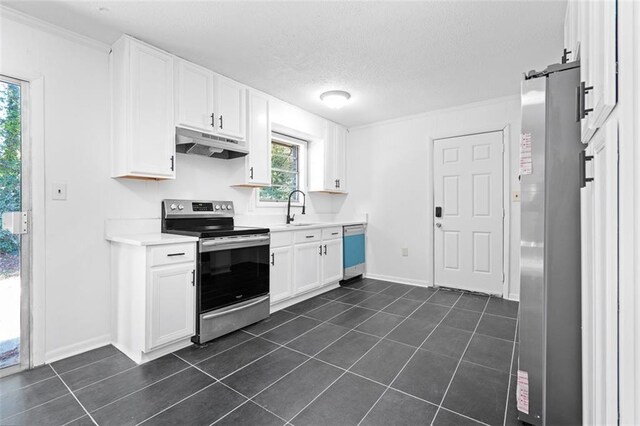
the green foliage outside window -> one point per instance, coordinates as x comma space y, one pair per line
285, 177
9, 159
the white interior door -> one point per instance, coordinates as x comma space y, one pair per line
468, 235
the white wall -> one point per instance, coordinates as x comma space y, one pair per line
388, 168
76, 152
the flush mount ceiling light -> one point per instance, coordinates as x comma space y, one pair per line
335, 99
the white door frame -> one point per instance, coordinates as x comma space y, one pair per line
35, 113
506, 198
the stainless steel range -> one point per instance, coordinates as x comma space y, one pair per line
232, 278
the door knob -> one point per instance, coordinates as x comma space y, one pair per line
439, 225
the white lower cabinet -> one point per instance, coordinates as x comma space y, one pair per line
331, 261
306, 266
280, 277
303, 261
171, 304
154, 298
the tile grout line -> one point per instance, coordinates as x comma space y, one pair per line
176, 403
412, 355
86, 365
35, 406
513, 354
75, 397
142, 388
460, 361
363, 355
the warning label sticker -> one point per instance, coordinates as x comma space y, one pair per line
525, 154
522, 392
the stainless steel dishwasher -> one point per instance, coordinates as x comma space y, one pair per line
353, 251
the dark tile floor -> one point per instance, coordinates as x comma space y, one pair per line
372, 353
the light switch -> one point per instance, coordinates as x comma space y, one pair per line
405, 251
59, 191
515, 196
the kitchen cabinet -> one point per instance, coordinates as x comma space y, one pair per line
230, 108
331, 261
257, 167
306, 267
153, 291
599, 226
171, 306
209, 102
143, 143
327, 165
590, 33
304, 260
194, 97
281, 283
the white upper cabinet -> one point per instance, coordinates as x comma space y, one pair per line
142, 111
230, 108
257, 171
209, 102
327, 164
590, 30
194, 97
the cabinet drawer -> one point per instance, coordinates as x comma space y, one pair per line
281, 239
172, 253
308, 236
332, 233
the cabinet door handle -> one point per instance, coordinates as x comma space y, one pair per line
221, 121
583, 169
325, 249
251, 173
334, 233
273, 259
175, 254
320, 250
582, 112
213, 119
565, 55
193, 277
308, 236
172, 164
338, 183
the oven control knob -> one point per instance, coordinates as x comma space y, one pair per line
173, 206
217, 206
229, 207
180, 207
224, 207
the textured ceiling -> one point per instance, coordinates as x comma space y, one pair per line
396, 58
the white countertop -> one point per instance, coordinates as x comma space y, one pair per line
151, 239
315, 225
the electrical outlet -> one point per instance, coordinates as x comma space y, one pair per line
405, 252
515, 196
59, 191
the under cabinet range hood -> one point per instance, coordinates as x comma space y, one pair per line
198, 143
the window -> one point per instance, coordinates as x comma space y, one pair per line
287, 168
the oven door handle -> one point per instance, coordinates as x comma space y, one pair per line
215, 245
239, 308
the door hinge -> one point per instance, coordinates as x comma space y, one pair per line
193, 277
16, 223
503, 277
504, 214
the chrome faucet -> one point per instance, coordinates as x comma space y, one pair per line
304, 201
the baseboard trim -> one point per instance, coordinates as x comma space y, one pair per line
77, 348
419, 283
281, 304
514, 297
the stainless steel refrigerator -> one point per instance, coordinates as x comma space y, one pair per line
549, 384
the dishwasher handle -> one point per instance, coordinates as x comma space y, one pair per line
353, 230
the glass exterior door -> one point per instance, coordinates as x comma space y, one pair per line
14, 244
